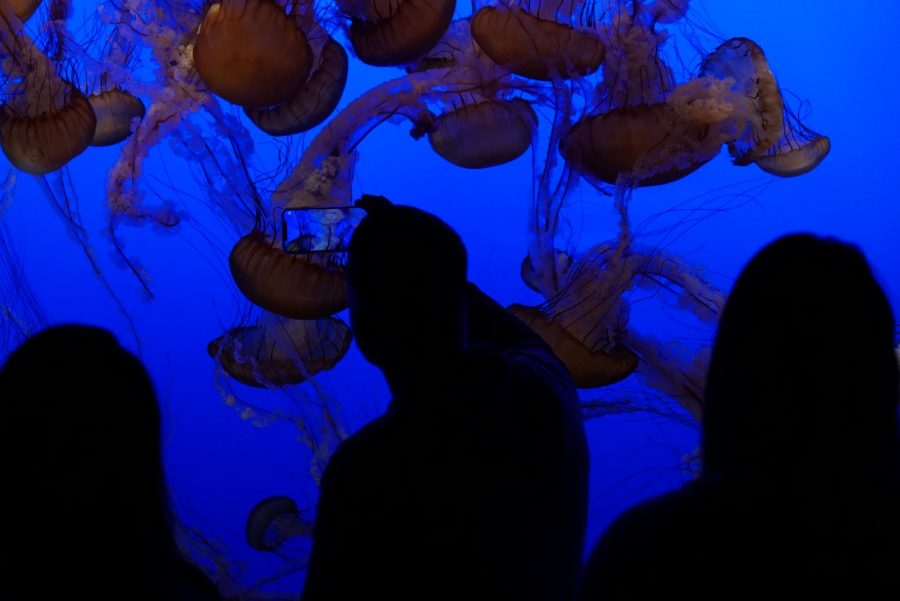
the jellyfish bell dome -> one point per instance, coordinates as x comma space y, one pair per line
296, 286
25, 8
115, 110
390, 32
761, 108
484, 134
251, 53
796, 153
273, 521
315, 101
589, 369
648, 143
281, 352
534, 47
39, 139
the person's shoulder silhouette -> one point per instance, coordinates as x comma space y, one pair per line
473, 484
798, 491
82, 461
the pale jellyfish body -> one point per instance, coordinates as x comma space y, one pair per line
278, 352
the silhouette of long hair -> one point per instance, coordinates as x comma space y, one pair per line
81, 457
803, 382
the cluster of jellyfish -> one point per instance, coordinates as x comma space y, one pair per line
619, 112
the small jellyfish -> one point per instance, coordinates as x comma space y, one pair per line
531, 278
251, 53
484, 134
302, 286
315, 101
273, 521
387, 32
278, 352
798, 151
536, 46
115, 109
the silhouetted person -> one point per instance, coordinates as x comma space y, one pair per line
85, 511
473, 484
798, 496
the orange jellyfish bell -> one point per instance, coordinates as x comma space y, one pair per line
315, 100
41, 142
534, 47
649, 143
251, 53
485, 134
115, 110
589, 369
281, 354
390, 32
25, 8
297, 286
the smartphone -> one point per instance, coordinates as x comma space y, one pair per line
319, 229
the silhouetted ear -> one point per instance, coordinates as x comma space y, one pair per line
372, 204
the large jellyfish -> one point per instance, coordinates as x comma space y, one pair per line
487, 123
318, 96
251, 52
386, 32
45, 121
540, 39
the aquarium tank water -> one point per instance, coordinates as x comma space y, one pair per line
181, 172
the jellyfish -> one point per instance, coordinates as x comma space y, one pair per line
315, 101
116, 110
798, 151
485, 134
760, 109
251, 53
584, 323
273, 521
24, 8
646, 131
45, 121
486, 125
535, 44
281, 352
386, 32
649, 144
300, 286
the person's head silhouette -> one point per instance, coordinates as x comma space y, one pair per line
407, 283
80, 440
803, 380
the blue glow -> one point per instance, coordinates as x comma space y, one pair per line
832, 57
